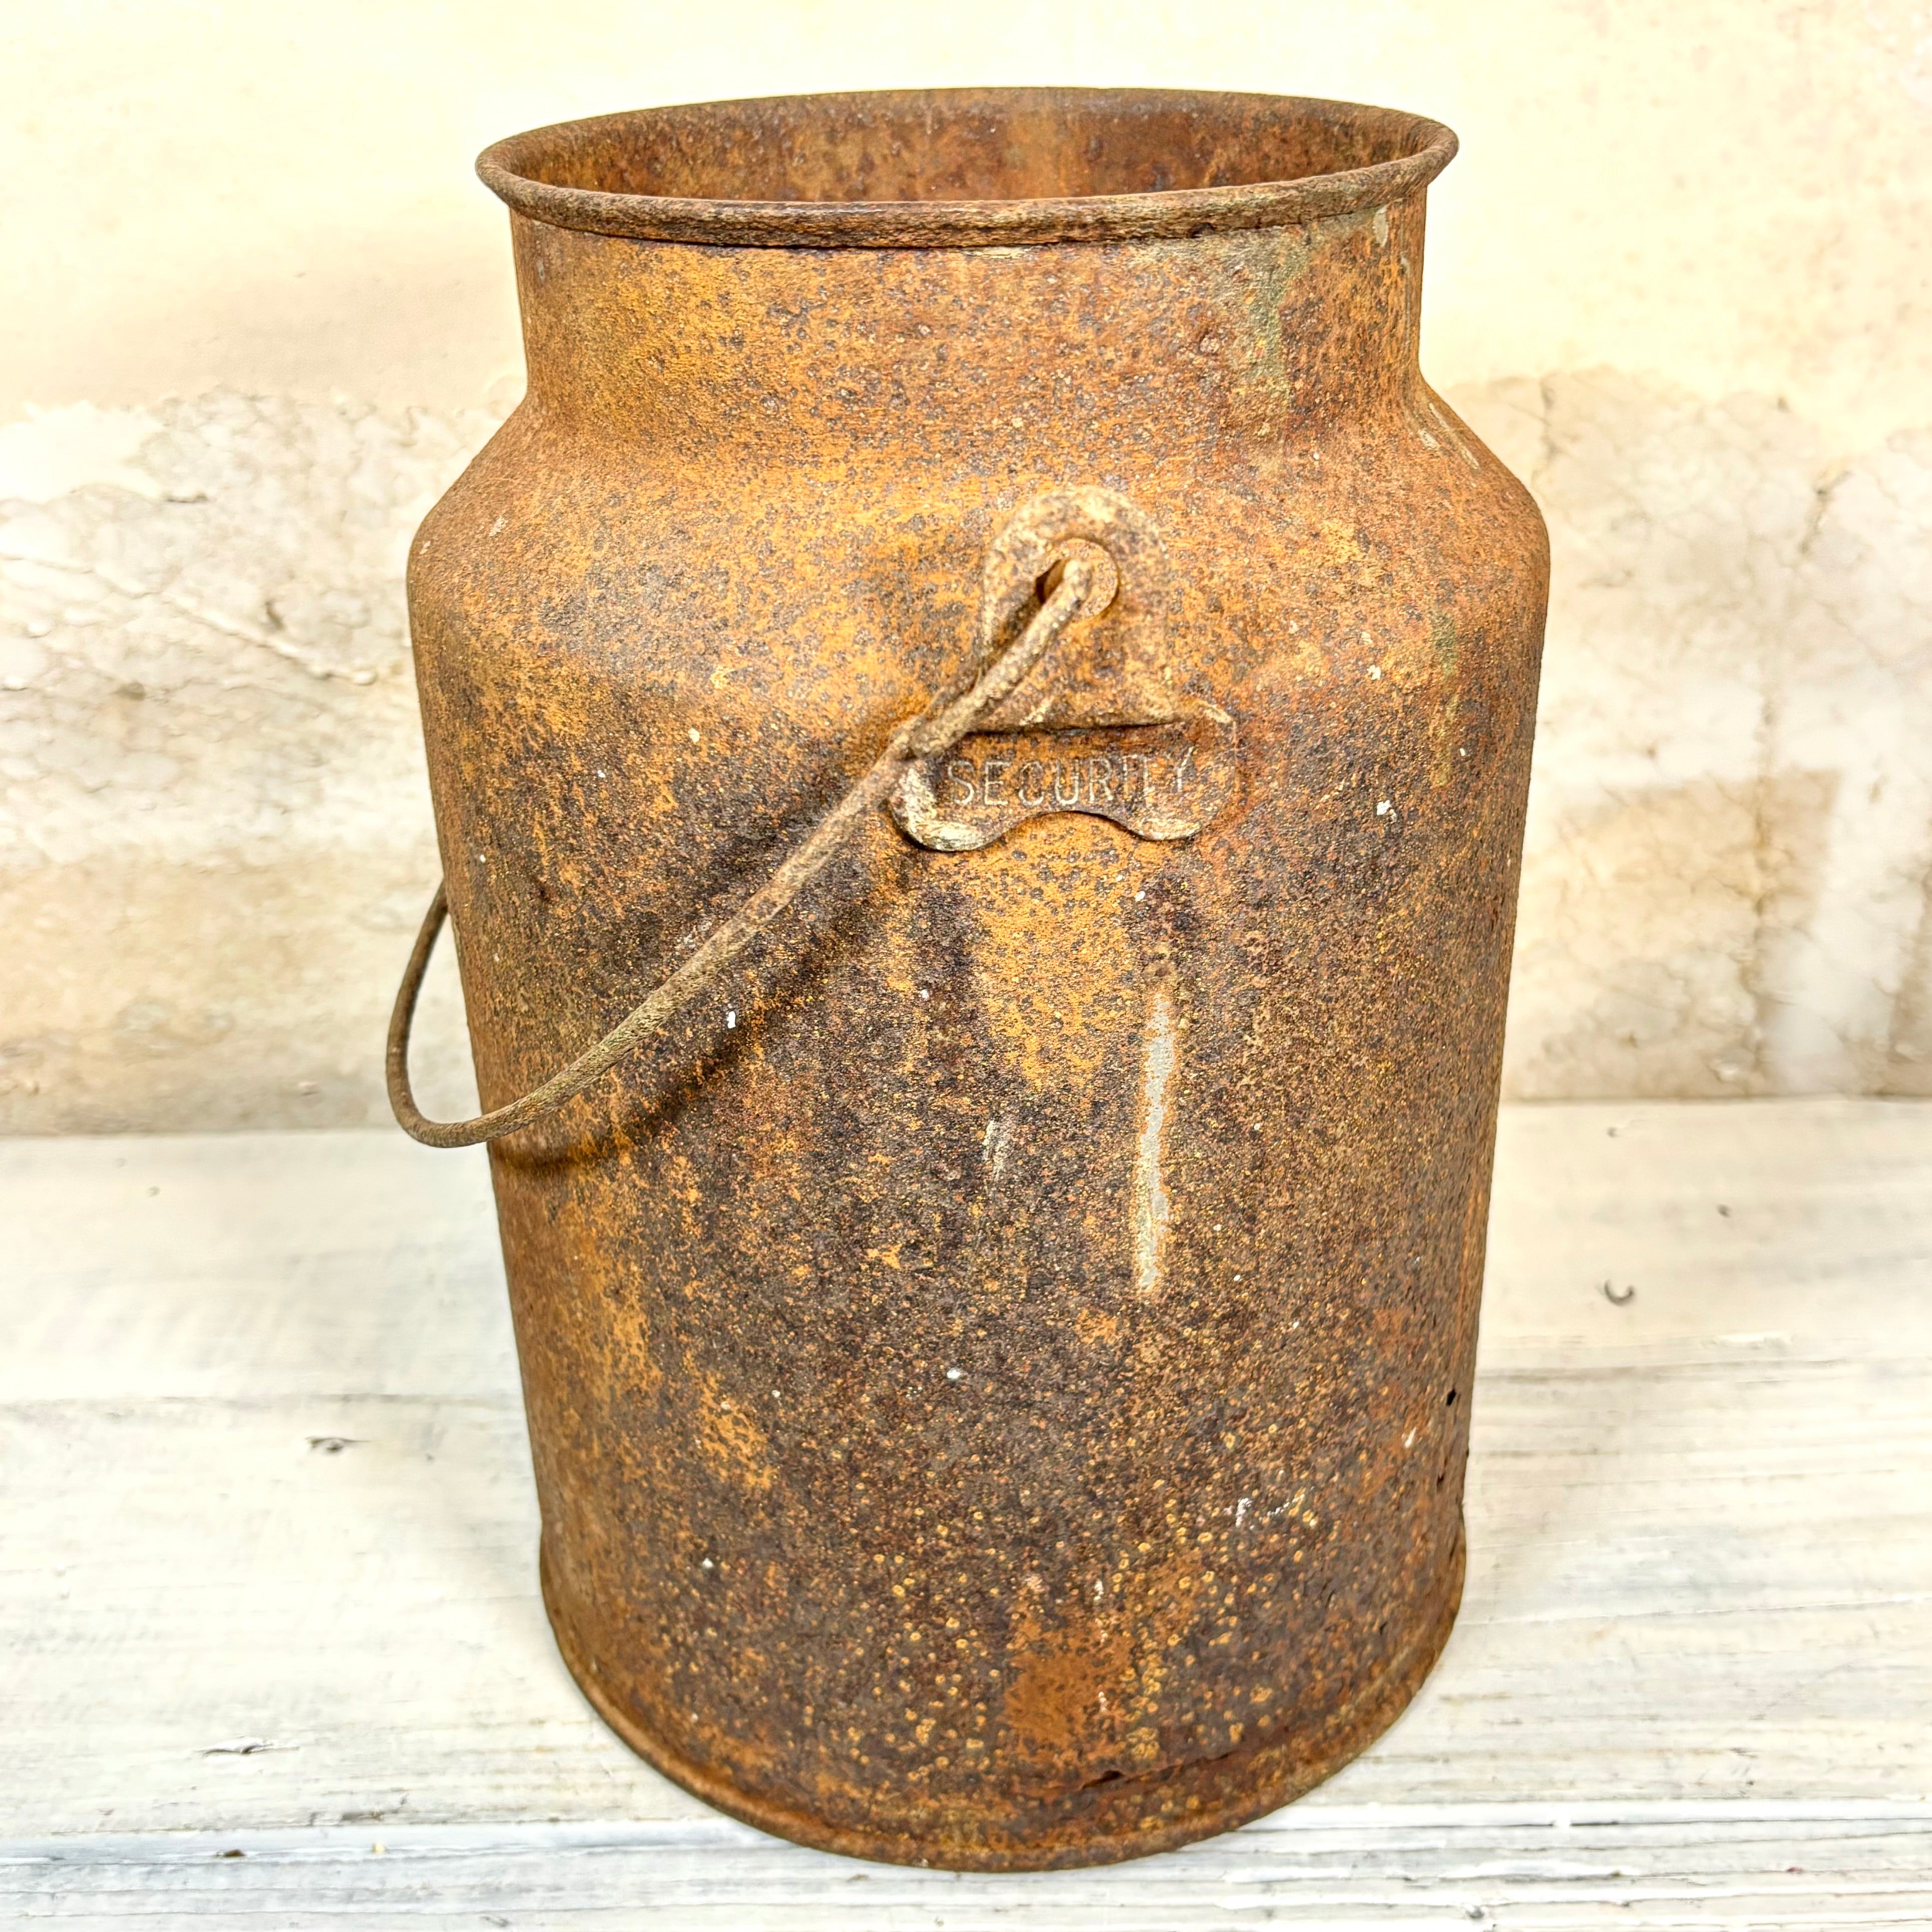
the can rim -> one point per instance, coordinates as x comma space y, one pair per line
515, 170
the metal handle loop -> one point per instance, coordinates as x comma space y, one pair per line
1087, 585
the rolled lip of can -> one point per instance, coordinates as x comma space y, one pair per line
551, 174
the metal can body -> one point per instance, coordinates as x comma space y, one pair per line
998, 1373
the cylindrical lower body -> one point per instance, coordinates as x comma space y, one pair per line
1093, 1824
1007, 1406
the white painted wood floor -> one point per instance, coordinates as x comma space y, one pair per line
271, 1651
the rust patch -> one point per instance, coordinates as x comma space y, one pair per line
1070, 1689
1051, 996
730, 1439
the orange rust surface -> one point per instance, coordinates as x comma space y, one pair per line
941, 1458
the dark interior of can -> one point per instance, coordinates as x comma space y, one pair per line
1005, 145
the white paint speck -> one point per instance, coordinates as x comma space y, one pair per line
956, 1375
993, 1148
1375, 670
924, 994
1408, 1441
692, 734
1241, 1510
1383, 810
730, 1018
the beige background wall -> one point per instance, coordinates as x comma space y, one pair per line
255, 312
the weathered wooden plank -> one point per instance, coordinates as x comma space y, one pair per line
1711, 1598
1789, 1229
245, 1265
265, 1478
1640, 1866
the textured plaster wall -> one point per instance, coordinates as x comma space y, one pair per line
1725, 879
256, 315
215, 840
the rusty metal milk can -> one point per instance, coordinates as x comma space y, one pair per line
979, 715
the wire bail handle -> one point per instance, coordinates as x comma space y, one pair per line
1067, 547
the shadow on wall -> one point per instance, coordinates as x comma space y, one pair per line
214, 840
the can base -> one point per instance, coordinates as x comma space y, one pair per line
1135, 1817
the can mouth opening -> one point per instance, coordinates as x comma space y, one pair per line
965, 167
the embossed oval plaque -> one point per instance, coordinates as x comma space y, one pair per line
1160, 780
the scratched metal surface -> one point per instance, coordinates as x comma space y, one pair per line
997, 1372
